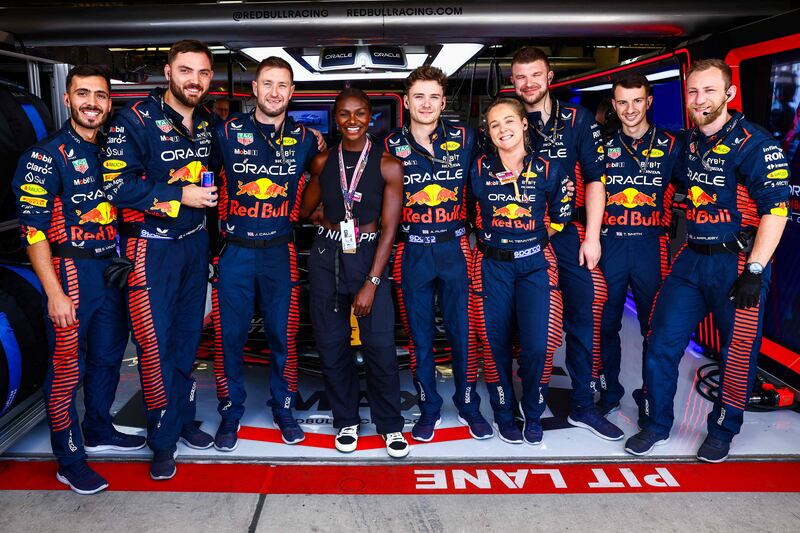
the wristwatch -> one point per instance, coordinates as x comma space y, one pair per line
375, 280
754, 268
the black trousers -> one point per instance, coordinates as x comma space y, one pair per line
335, 278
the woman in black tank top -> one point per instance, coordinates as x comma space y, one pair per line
361, 189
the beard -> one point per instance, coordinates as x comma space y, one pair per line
181, 96
272, 113
534, 98
82, 121
716, 110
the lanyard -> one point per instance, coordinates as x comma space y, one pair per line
448, 163
632, 152
502, 177
269, 141
728, 129
348, 193
555, 116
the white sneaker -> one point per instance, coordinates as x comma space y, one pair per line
347, 439
396, 445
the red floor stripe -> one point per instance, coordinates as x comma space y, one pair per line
427, 479
372, 442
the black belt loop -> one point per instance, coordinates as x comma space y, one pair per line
69, 251
260, 243
500, 254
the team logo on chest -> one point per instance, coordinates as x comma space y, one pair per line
80, 165
244, 138
164, 125
614, 153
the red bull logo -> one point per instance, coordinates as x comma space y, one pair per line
432, 195
104, 213
699, 197
511, 211
631, 198
189, 173
170, 208
262, 189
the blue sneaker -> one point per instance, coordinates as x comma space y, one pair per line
606, 409
713, 450
81, 478
227, 437
643, 442
117, 441
425, 427
479, 427
162, 466
509, 432
533, 432
193, 437
290, 429
595, 422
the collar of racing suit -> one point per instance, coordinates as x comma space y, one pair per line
201, 111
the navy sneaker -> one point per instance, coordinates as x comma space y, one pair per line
479, 427
117, 441
595, 422
81, 478
193, 437
227, 437
713, 450
162, 466
396, 445
509, 432
643, 442
606, 409
425, 427
533, 432
290, 429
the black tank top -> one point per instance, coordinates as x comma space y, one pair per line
370, 186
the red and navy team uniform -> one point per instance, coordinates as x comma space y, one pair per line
640, 185
150, 157
514, 276
733, 177
433, 257
572, 138
60, 200
261, 187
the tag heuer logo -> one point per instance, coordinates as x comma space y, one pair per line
163, 125
80, 165
244, 138
614, 153
403, 151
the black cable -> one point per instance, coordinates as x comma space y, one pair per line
471, 86
707, 386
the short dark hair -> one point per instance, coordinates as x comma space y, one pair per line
86, 71
426, 73
189, 45
632, 80
352, 92
275, 62
705, 64
530, 54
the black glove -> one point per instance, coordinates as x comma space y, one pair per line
116, 274
746, 290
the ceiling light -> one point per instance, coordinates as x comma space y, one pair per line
656, 76
453, 56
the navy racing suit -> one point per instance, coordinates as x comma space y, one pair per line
150, 157
514, 275
572, 137
432, 260
261, 187
640, 186
60, 200
733, 178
